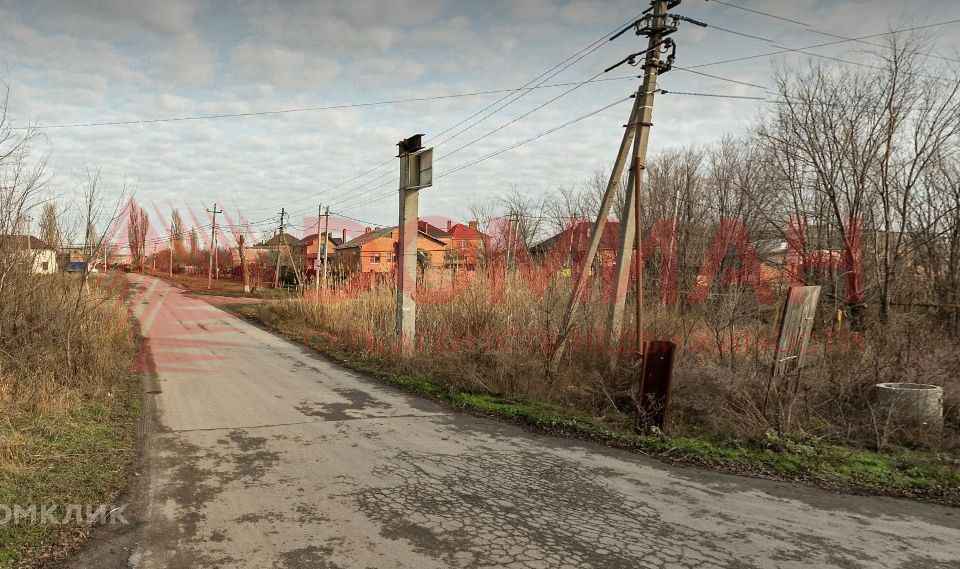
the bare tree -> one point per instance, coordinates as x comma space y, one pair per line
137, 233
194, 244
177, 246
50, 226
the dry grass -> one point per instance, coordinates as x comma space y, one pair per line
493, 337
68, 401
62, 343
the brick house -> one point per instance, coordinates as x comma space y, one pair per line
313, 249
468, 245
569, 247
376, 250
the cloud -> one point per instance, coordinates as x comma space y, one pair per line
101, 60
280, 66
187, 59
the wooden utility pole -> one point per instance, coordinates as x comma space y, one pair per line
243, 262
326, 243
637, 131
213, 244
280, 239
416, 172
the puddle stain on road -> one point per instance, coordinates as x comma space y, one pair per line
356, 402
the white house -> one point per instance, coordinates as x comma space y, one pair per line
27, 248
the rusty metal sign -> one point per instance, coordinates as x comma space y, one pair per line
796, 323
653, 391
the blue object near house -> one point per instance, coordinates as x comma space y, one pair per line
76, 267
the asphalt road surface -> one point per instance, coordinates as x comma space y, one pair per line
260, 454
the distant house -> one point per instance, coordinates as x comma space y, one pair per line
468, 245
28, 251
376, 250
314, 247
267, 251
569, 247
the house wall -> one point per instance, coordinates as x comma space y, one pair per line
467, 252
314, 249
377, 255
44, 262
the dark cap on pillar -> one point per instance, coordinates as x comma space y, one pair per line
409, 145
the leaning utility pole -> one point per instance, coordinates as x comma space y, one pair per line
654, 26
213, 244
326, 243
280, 240
416, 172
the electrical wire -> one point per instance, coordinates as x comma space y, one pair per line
802, 50
524, 90
281, 111
490, 155
691, 69
814, 30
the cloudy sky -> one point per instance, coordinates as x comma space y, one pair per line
95, 61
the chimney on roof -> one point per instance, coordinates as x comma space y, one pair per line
473, 224
449, 225
366, 229
344, 236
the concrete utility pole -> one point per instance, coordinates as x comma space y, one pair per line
276, 278
416, 172
213, 244
171, 248
316, 262
654, 26
508, 254
326, 243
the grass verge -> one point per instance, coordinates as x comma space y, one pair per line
80, 456
922, 475
69, 439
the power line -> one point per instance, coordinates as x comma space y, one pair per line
521, 117
800, 49
783, 49
812, 29
717, 95
524, 89
490, 155
769, 15
347, 196
718, 77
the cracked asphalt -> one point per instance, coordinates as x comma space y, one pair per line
258, 453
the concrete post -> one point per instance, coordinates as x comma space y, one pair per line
407, 268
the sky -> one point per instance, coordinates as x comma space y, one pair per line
94, 61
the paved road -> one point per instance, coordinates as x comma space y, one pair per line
264, 455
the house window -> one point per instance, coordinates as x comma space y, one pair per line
376, 259
45, 266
